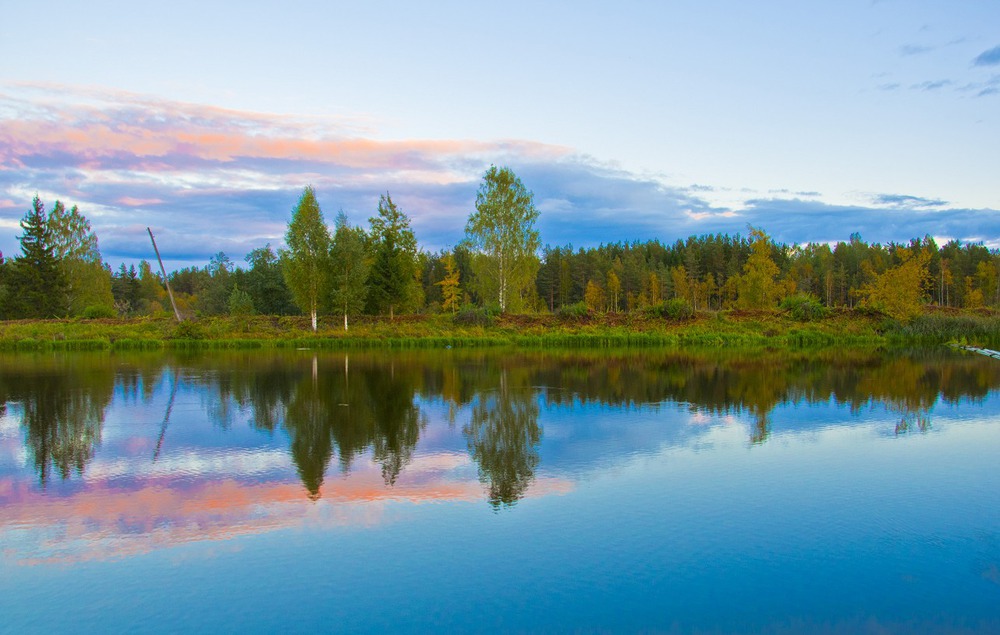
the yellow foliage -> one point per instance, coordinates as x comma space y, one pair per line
898, 292
594, 296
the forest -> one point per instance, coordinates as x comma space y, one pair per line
501, 266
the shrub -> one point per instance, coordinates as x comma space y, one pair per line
99, 311
804, 307
188, 330
574, 311
474, 316
673, 309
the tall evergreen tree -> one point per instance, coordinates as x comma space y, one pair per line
502, 231
349, 268
305, 264
36, 281
392, 281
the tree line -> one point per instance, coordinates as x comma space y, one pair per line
499, 266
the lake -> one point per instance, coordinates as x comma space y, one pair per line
833, 491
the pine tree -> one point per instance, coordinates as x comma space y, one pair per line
392, 280
36, 281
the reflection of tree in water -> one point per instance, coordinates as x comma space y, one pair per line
397, 423
308, 423
62, 409
351, 410
503, 436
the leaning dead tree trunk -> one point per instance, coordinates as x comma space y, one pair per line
177, 314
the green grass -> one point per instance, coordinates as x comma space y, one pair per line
721, 329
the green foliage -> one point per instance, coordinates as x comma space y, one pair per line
188, 330
502, 231
265, 283
672, 309
99, 311
214, 296
74, 245
475, 316
804, 307
349, 268
35, 281
392, 282
305, 264
240, 303
126, 290
574, 311
980, 330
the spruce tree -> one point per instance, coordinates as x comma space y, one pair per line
36, 284
392, 281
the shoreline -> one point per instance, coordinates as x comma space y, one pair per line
706, 329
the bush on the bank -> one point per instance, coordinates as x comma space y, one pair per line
673, 309
188, 330
475, 316
99, 311
573, 311
804, 307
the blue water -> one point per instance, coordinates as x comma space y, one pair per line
625, 516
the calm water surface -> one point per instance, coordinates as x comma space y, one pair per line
757, 492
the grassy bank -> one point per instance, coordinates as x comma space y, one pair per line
728, 328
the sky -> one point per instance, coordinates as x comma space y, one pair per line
628, 120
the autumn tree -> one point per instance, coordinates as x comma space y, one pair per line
757, 286
305, 262
451, 291
898, 292
614, 289
502, 233
392, 281
348, 268
593, 296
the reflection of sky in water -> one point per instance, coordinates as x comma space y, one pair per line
636, 517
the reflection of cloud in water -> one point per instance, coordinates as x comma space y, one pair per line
192, 463
107, 520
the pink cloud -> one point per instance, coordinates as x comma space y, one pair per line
104, 521
159, 134
138, 202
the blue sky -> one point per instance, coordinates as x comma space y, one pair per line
631, 120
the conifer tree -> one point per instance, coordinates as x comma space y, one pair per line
451, 292
392, 281
36, 282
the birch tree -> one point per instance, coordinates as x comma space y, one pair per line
501, 231
88, 282
305, 264
349, 268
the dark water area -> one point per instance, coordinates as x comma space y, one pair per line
835, 491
